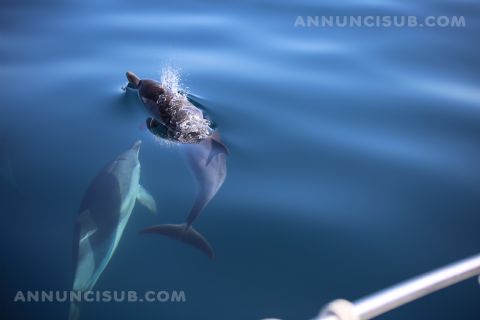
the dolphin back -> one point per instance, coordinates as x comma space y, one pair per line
208, 162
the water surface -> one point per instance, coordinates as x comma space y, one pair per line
354, 153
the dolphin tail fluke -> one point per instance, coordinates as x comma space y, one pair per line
185, 234
74, 313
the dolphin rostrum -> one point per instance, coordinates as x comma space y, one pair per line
103, 215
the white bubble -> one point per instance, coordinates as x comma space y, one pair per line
187, 120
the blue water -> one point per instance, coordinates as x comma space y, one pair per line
354, 153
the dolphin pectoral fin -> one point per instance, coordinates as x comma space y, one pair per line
185, 234
145, 198
218, 147
152, 123
158, 129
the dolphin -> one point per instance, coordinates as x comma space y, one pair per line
170, 112
103, 215
174, 117
207, 161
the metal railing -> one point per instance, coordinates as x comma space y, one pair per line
400, 294
408, 291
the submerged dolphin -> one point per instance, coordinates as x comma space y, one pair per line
176, 119
207, 161
103, 215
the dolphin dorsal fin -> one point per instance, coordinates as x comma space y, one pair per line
145, 198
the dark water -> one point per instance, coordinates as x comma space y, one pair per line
354, 153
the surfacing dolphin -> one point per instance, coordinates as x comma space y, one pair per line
183, 122
103, 215
176, 119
